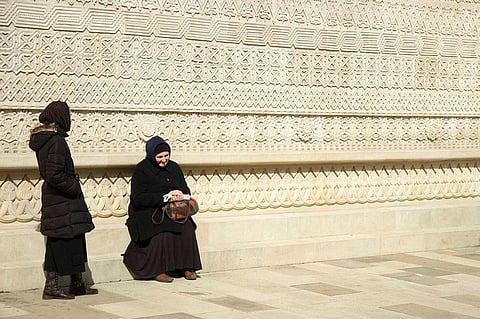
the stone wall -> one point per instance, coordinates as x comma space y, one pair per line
267, 104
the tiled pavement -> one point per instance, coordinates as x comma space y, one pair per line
428, 285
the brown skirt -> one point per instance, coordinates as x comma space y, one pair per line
164, 252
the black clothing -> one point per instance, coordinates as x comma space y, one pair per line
151, 147
164, 253
64, 211
162, 147
158, 247
148, 185
65, 256
56, 112
65, 217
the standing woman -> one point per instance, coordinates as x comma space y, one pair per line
166, 249
65, 217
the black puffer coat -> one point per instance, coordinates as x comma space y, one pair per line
64, 211
149, 183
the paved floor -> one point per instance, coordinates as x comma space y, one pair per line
430, 285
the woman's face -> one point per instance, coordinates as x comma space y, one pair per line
162, 158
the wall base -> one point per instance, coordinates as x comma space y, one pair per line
256, 239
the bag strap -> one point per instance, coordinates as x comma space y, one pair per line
153, 216
163, 217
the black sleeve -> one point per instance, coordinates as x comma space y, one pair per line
55, 172
180, 178
142, 193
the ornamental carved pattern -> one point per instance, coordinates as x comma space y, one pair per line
118, 132
231, 189
229, 76
192, 17
42, 52
282, 57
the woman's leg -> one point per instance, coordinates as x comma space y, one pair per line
51, 290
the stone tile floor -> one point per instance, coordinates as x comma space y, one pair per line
429, 285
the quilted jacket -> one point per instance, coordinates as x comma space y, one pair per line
64, 211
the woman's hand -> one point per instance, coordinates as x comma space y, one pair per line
176, 194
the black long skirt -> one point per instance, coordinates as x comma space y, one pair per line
164, 253
65, 256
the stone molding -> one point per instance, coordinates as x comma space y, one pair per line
96, 134
193, 18
259, 188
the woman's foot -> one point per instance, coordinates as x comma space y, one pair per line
190, 275
163, 278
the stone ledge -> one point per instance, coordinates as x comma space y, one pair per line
395, 228
86, 160
109, 267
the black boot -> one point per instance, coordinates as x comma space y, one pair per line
78, 287
51, 290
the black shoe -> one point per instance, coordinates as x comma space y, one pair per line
51, 290
78, 286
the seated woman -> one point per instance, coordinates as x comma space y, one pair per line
159, 250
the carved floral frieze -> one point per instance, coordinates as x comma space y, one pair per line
120, 132
261, 188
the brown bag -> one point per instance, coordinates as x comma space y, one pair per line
178, 211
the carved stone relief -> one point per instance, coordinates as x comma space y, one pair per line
121, 132
231, 76
249, 188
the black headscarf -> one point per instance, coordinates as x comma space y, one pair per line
154, 146
57, 112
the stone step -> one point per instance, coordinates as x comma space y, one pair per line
29, 274
230, 240
24, 242
259, 254
304, 223
109, 267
